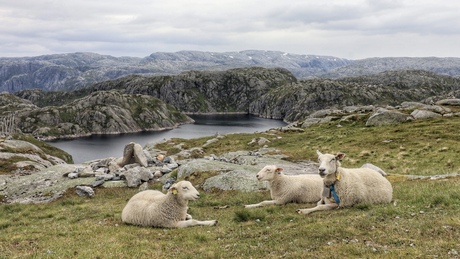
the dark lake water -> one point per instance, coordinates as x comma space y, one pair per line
102, 146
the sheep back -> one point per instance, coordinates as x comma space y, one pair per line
153, 208
362, 185
296, 188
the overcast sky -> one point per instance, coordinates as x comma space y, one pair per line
352, 29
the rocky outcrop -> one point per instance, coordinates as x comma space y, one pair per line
23, 155
206, 92
103, 112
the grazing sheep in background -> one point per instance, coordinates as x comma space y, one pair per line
345, 187
155, 209
289, 188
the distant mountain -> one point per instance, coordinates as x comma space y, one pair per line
370, 66
63, 72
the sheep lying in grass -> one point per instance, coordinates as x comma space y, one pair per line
289, 188
154, 209
345, 187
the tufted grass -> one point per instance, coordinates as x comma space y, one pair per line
421, 222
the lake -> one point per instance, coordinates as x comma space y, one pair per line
102, 146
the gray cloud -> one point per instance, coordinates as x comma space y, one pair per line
349, 29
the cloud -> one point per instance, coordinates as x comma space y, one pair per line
349, 29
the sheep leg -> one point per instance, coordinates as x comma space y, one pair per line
261, 204
194, 222
319, 207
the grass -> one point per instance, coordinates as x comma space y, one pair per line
421, 222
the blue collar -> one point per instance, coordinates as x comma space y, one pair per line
336, 197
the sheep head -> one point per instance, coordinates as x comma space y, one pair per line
328, 163
185, 191
268, 173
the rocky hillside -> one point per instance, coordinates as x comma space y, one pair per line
102, 112
79, 70
299, 99
268, 93
137, 103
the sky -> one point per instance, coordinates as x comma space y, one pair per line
351, 29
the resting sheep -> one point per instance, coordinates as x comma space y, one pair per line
345, 187
155, 209
289, 188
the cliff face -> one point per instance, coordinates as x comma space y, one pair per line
297, 100
206, 92
104, 112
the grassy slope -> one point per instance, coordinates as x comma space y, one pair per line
422, 221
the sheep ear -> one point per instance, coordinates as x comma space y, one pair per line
340, 156
173, 190
279, 169
318, 153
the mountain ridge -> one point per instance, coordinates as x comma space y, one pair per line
72, 71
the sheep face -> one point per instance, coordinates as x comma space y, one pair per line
268, 173
185, 190
328, 163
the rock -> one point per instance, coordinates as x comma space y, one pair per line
105, 177
310, 121
383, 117
168, 182
423, 114
452, 102
157, 174
144, 186
114, 184
133, 153
98, 183
44, 186
421, 106
238, 176
135, 176
84, 191
73, 175
86, 172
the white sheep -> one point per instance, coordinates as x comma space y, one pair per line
155, 209
349, 186
289, 188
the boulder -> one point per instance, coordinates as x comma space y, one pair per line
383, 117
133, 153
424, 114
452, 102
84, 191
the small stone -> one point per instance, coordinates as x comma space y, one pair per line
84, 191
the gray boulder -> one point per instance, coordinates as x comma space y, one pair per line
424, 114
383, 117
137, 175
133, 153
453, 102
84, 191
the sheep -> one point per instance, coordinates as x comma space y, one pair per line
155, 209
289, 188
346, 187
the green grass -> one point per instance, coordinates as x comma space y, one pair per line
421, 222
